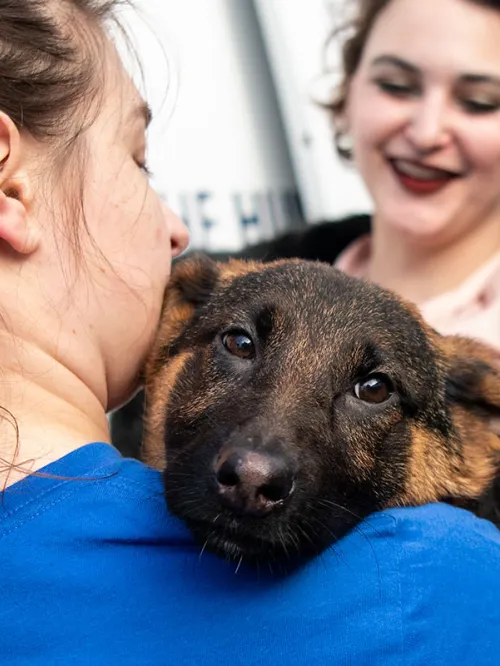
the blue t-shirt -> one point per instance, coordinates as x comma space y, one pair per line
96, 571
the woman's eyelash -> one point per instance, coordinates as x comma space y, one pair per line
144, 167
478, 107
394, 88
471, 105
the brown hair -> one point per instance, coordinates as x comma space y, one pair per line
359, 29
47, 61
52, 86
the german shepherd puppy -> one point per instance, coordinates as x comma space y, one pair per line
287, 401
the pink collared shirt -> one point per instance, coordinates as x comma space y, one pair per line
472, 309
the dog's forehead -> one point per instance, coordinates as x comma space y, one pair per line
319, 293
326, 308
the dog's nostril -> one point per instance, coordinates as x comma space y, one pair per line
227, 475
278, 490
253, 482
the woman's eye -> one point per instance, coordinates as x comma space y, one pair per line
143, 167
396, 89
476, 106
142, 163
239, 343
374, 389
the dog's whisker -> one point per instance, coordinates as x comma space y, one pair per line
306, 535
336, 505
326, 502
239, 565
360, 530
202, 550
294, 539
283, 543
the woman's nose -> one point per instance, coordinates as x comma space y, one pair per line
179, 234
429, 128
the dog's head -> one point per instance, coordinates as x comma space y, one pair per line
288, 401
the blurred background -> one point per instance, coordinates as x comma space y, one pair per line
240, 146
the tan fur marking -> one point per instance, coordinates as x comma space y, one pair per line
235, 268
429, 470
457, 346
434, 473
158, 392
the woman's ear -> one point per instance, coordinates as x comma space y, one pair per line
18, 229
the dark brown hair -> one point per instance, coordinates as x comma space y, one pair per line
47, 62
359, 29
52, 85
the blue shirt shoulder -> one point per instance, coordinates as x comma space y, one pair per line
94, 570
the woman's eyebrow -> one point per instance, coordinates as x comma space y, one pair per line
412, 69
397, 62
480, 78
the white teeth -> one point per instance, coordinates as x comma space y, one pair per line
420, 172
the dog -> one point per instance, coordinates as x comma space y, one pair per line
287, 401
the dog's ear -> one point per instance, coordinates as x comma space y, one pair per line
473, 396
191, 284
468, 462
193, 279
459, 461
473, 377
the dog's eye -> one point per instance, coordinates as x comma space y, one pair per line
375, 389
239, 344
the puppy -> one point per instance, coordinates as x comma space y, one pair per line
287, 401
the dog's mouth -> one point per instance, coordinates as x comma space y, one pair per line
233, 543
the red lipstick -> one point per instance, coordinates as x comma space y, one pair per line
419, 179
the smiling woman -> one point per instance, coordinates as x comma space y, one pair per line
421, 102
424, 114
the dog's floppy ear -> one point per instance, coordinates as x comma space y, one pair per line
473, 396
191, 284
193, 279
473, 378
460, 460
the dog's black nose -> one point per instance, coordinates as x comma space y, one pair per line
252, 482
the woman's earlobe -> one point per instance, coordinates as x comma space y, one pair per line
17, 227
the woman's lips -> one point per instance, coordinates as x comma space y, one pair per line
419, 178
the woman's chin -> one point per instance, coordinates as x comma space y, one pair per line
424, 230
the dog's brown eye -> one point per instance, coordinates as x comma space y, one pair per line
375, 389
239, 344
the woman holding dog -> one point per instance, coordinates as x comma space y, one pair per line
93, 567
